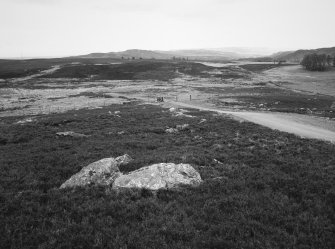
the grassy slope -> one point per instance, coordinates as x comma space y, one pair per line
273, 190
261, 67
129, 70
136, 70
21, 68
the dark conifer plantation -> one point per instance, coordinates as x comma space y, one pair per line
316, 62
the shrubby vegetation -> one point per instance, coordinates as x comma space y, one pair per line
267, 189
317, 62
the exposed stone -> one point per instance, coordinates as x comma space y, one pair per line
24, 121
157, 176
115, 114
182, 127
181, 114
102, 172
171, 130
217, 161
123, 160
202, 121
71, 134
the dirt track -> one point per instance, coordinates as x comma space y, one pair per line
301, 125
44, 72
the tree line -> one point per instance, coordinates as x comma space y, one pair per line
317, 62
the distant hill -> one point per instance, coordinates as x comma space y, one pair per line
137, 53
209, 54
192, 54
202, 54
248, 52
297, 56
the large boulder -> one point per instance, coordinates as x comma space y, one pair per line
157, 176
102, 172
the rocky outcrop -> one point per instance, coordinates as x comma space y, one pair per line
106, 172
102, 172
157, 176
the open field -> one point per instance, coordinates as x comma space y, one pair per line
295, 77
262, 188
265, 189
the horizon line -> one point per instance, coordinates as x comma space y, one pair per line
159, 50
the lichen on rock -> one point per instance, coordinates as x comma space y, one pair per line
157, 176
102, 172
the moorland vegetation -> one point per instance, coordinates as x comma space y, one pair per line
262, 188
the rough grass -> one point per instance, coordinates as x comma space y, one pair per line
272, 189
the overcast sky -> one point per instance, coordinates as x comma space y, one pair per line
71, 27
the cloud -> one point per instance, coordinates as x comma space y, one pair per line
33, 2
128, 6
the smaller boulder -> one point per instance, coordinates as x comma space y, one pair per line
24, 121
102, 172
181, 114
71, 134
217, 161
182, 127
171, 130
